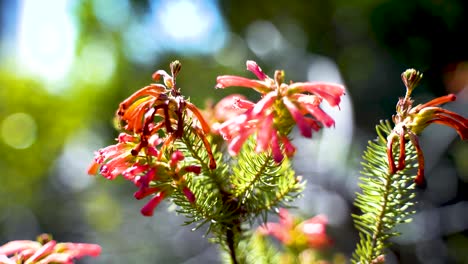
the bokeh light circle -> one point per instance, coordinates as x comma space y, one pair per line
19, 130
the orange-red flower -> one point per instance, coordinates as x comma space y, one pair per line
159, 107
144, 170
410, 121
281, 106
153, 118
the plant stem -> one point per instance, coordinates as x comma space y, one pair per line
231, 245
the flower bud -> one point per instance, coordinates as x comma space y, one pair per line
176, 157
411, 79
175, 68
279, 77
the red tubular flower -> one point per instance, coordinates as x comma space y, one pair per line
148, 209
189, 194
280, 104
115, 159
411, 121
293, 233
430, 112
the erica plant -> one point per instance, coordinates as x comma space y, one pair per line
229, 165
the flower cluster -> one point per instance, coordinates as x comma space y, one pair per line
161, 108
410, 121
153, 118
293, 233
44, 251
282, 105
152, 173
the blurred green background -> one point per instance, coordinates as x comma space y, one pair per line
66, 64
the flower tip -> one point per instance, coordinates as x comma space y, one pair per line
255, 69
212, 165
176, 157
93, 168
189, 194
193, 168
411, 79
175, 67
219, 86
452, 97
278, 157
148, 209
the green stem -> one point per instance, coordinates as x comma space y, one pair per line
379, 222
231, 243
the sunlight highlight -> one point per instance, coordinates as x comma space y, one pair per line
46, 38
189, 26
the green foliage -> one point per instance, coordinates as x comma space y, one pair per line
386, 199
209, 186
258, 250
261, 184
235, 193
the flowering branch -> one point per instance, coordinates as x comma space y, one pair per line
168, 148
388, 180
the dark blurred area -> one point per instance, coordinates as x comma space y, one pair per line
66, 64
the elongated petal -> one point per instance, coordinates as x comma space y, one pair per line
265, 103
144, 192
133, 171
289, 148
275, 230
231, 106
5, 260
264, 134
275, 148
192, 168
78, 250
93, 168
155, 90
204, 125
437, 101
230, 80
459, 127
255, 69
61, 258
242, 104
304, 127
189, 194
329, 91
148, 209
18, 246
236, 143
43, 251
168, 81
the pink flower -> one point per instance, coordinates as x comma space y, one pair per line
33, 252
293, 233
115, 159
281, 106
